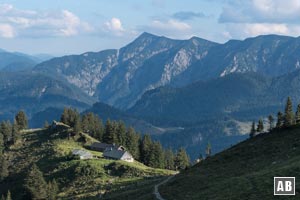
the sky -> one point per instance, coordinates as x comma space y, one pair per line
60, 27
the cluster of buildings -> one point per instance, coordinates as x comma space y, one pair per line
110, 151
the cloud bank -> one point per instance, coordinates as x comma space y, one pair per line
28, 23
255, 17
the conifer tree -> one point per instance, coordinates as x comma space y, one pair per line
69, 116
52, 190
6, 130
182, 160
8, 196
2, 197
169, 159
86, 123
65, 116
77, 124
271, 122
36, 184
1, 143
92, 125
297, 118
145, 149
21, 120
3, 168
208, 150
156, 159
280, 120
132, 143
253, 130
121, 133
98, 128
288, 115
260, 126
46, 124
15, 133
109, 132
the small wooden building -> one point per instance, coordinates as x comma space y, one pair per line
83, 155
116, 154
102, 147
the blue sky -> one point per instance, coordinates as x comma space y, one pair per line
75, 26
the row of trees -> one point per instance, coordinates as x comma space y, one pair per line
9, 135
8, 196
37, 187
286, 119
143, 148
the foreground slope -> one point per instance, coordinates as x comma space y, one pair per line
77, 179
244, 171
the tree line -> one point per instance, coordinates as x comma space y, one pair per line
10, 135
142, 148
284, 120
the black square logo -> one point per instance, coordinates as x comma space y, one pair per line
284, 185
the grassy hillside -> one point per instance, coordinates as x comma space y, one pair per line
77, 179
244, 171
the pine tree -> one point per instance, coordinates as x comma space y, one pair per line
182, 160
2, 197
8, 196
132, 143
297, 118
52, 190
6, 130
69, 116
36, 184
109, 133
92, 125
15, 133
208, 150
288, 115
65, 116
145, 149
253, 130
85, 123
169, 159
46, 124
156, 159
280, 120
98, 128
121, 133
1, 143
260, 126
21, 120
77, 124
3, 168
271, 122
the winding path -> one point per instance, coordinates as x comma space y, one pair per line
156, 192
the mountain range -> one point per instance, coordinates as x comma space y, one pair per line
120, 77
176, 90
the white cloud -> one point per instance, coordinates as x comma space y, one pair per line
262, 29
6, 31
169, 28
260, 17
240, 31
114, 26
29, 23
170, 25
261, 11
